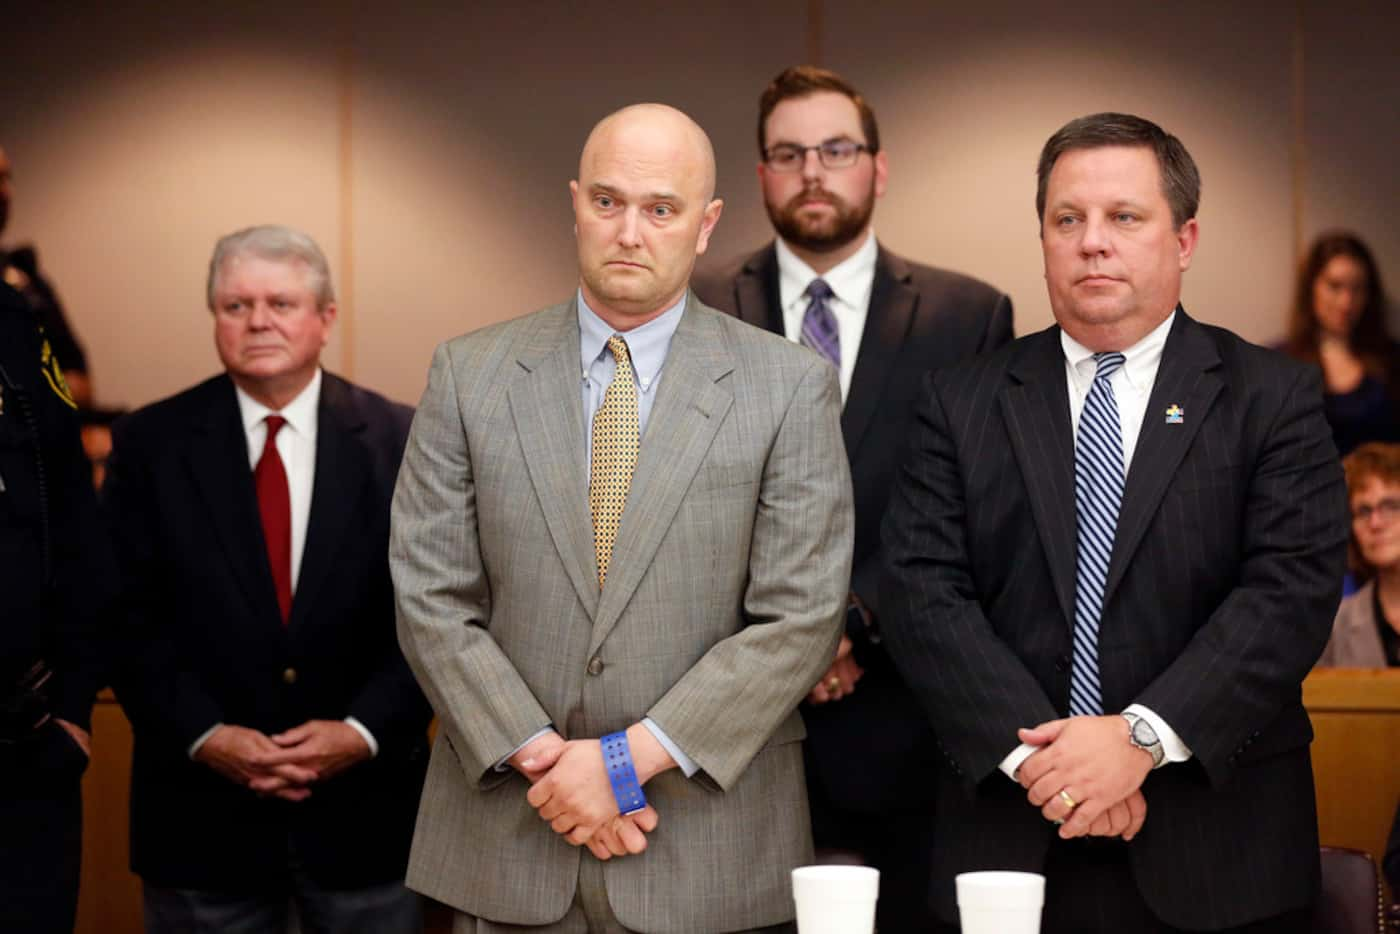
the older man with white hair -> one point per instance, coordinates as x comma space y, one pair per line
280, 738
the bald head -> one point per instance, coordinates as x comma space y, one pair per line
655, 132
644, 207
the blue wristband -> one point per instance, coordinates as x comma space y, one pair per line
617, 759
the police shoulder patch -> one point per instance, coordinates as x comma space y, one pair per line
48, 363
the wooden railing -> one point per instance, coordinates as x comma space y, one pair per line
1356, 754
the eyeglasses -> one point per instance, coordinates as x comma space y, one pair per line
1387, 509
833, 153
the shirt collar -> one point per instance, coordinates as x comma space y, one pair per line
647, 344
300, 413
1139, 361
849, 279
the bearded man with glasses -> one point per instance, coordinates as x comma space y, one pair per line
882, 322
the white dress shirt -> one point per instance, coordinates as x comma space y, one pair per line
296, 445
851, 282
1132, 385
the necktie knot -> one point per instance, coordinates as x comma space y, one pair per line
274, 424
1107, 363
818, 290
618, 347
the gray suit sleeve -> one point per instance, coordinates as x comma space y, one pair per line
442, 593
723, 710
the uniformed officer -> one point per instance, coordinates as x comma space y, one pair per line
56, 577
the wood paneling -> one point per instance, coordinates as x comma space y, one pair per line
1356, 754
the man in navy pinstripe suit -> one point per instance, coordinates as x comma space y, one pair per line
1113, 554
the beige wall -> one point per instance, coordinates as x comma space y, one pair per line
429, 150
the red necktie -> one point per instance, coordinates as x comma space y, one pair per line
275, 507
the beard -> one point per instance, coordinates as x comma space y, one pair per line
822, 234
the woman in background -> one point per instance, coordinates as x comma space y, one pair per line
1338, 323
1366, 633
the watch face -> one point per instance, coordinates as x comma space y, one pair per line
1143, 734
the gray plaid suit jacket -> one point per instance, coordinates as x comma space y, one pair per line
722, 607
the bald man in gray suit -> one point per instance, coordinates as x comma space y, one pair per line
676, 638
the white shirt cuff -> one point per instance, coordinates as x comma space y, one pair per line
203, 737
1173, 748
364, 731
1020, 754
687, 764
504, 764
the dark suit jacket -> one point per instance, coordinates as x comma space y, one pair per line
208, 644
920, 318
1225, 573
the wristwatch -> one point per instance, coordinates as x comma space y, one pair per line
1141, 735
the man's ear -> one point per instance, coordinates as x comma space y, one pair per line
707, 225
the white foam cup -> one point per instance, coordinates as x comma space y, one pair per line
835, 899
1000, 902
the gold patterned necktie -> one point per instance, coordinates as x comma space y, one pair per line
616, 441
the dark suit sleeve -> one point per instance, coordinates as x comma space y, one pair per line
84, 574
973, 687
1246, 663
390, 704
156, 693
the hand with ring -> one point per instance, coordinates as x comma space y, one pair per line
1069, 803
839, 680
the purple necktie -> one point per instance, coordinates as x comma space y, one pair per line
819, 324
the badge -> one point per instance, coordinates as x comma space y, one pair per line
48, 364
1175, 414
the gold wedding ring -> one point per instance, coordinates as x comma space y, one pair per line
1069, 802
833, 683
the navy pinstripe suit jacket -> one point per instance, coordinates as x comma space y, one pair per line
1224, 578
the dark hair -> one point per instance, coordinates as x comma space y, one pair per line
1376, 459
1181, 180
1368, 339
804, 81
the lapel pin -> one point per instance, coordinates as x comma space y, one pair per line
1175, 414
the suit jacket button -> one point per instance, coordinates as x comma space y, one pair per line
1062, 662
595, 665
289, 676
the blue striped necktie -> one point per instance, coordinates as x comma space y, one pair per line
1098, 494
819, 323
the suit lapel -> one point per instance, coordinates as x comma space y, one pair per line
342, 467
688, 411
218, 461
547, 405
892, 304
1036, 408
756, 294
1185, 379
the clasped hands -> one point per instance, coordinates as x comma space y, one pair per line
287, 764
1087, 774
569, 788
